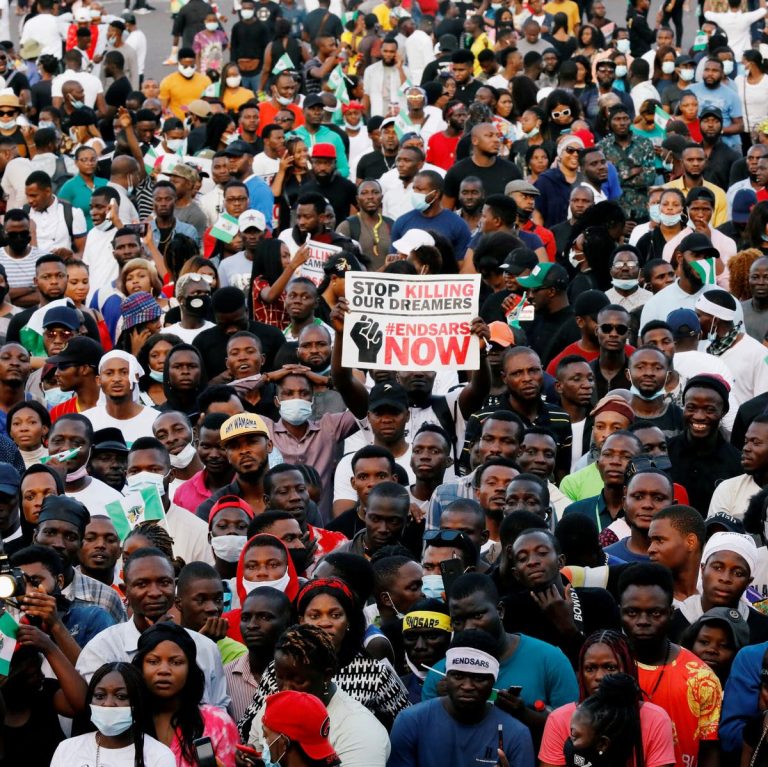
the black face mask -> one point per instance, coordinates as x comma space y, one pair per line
198, 305
18, 242
299, 558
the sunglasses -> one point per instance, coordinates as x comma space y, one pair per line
607, 328
9, 113
197, 276
63, 334
564, 113
444, 536
571, 150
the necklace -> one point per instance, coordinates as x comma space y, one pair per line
98, 750
650, 694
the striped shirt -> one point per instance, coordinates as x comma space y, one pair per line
242, 686
20, 271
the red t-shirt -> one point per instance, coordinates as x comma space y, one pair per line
575, 348
64, 408
441, 150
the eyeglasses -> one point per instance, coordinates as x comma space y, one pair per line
607, 328
628, 264
564, 113
64, 335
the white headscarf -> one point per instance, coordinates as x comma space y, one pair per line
135, 371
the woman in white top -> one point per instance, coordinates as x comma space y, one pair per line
752, 88
117, 699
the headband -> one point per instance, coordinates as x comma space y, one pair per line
472, 661
426, 619
331, 583
739, 543
710, 307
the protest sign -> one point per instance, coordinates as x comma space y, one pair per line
319, 253
403, 322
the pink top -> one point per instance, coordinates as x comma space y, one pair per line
223, 734
191, 493
655, 727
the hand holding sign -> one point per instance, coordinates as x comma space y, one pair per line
368, 339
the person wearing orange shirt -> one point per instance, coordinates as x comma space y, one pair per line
283, 93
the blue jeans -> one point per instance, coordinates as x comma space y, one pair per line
251, 81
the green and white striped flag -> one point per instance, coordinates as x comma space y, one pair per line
141, 506
8, 629
338, 84
705, 268
31, 335
283, 63
225, 228
661, 118
150, 158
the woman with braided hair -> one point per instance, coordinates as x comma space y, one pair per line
305, 660
602, 654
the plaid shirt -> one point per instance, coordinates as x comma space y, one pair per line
271, 314
86, 591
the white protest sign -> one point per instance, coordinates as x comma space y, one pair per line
319, 253
403, 322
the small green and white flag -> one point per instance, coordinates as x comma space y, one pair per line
338, 84
150, 158
8, 629
31, 335
144, 505
705, 268
661, 118
283, 63
700, 41
225, 228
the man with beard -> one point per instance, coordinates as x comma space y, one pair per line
720, 156
314, 352
525, 194
669, 675
594, 168
756, 308
490, 482
712, 90
10, 515
100, 551
375, 164
369, 228
174, 429
605, 75
579, 200
648, 371
76, 369
109, 458
19, 256
285, 527
338, 190
471, 201
314, 132
694, 160
311, 222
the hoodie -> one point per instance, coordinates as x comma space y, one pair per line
291, 590
172, 401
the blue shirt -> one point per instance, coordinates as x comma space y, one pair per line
426, 735
740, 697
180, 227
540, 669
83, 623
727, 100
446, 222
260, 198
621, 551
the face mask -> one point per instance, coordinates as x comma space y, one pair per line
728, 67
174, 144
74, 476
432, 586
283, 101
228, 138
228, 548
184, 458
281, 584
198, 305
622, 46
654, 212
398, 614
621, 71
95, 14
531, 133
741, 70
156, 375
687, 75
419, 201
19, 241
77, 104
575, 262
245, 15
9, 125
295, 411
234, 82
349, 126
73, 135
111, 720
211, 26
55, 396
667, 67
104, 226
646, 397
129, 189
666, 166
187, 72
266, 756
668, 220
46, 124
146, 479
624, 284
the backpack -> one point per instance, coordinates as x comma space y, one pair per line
60, 176
68, 217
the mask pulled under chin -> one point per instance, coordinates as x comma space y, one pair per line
647, 397
78, 474
281, 584
620, 284
156, 375
184, 458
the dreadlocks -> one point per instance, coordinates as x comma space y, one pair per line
308, 645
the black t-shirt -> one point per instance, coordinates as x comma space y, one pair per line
440, 64
341, 193
321, 19
118, 92
212, 344
267, 13
348, 523
41, 95
17, 82
465, 92
494, 177
374, 165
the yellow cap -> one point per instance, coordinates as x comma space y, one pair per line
241, 424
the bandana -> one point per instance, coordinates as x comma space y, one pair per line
739, 543
425, 619
135, 371
471, 661
722, 343
703, 304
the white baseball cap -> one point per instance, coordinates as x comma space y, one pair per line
252, 218
412, 239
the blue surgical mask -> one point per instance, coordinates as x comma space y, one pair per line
432, 586
295, 411
624, 284
156, 375
670, 220
46, 124
77, 104
266, 756
728, 67
622, 46
111, 720
647, 397
654, 211
56, 396
419, 201
667, 165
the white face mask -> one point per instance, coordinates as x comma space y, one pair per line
174, 144
211, 26
146, 479
574, 259
687, 75
187, 72
228, 138
246, 14
111, 720
621, 71
622, 46
281, 584
228, 548
46, 124
234, 81
295, 411
283, 100
728, 67
624, 284
667, 67
8, 124
184, 458
104, 226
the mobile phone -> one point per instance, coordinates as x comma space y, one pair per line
251, 754
450, 569
140, 229
514, 689
204, 755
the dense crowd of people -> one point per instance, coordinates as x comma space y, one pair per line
225, 546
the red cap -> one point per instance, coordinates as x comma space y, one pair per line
587, 138
353, 106
302, 718
229, 502
324, 151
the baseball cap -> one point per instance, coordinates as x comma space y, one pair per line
721, 519
324, 151
388, 121
683, 322
519, 185
501, 334
252, 218
743, 202
710, 110
681, 61
699, 244
391, 394
187, 172
302, 718
519, 260
80, 350
242, 424
109, 438
734, 623
61, 315
545, 276
313, 101
238, 149
448, 43
412, 239
10, 481
199, 108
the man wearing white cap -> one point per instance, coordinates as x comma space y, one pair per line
461, 727
236, 269
727, 565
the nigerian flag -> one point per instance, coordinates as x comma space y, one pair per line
337, 82
141, 506
660, 117
705, 268
31, 335
225, 228
8, 629
283, 63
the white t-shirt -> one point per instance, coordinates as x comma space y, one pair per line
186, 334
96, 495
754, 102
132, 428
138, 41
14, 182
92, 86
748, 361
235, 271
577, 440
51, 225
342, 479
81, 750
45, 29
5, 20
736, 27
97, 253
733, 495
265, 167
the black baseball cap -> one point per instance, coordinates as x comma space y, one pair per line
519, 260
109, 438
388, 394
699, 244
80, 350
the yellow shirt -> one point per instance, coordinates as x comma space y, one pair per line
570, 9
720, 216
480, 44
177, 91
234, 99
382, 12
